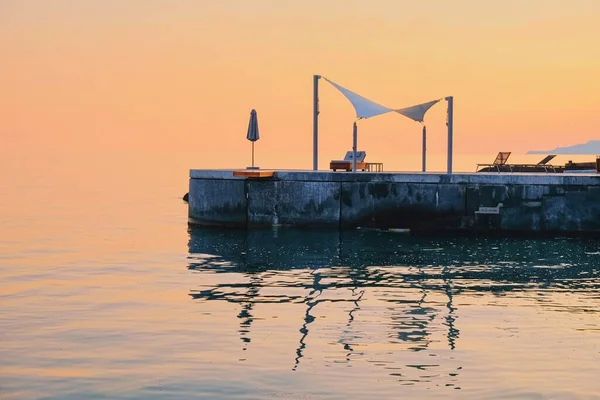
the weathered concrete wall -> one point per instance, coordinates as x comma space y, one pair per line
296, 203
420, 202
220, 202
401, 205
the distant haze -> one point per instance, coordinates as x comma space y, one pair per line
591, 147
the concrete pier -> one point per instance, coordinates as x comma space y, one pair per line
421, 202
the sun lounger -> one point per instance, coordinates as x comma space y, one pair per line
346, 163
498, 163
544, 163
541, 166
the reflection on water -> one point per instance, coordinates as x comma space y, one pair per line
386, 294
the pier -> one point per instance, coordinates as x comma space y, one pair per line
419, 202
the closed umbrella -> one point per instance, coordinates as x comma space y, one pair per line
253, 135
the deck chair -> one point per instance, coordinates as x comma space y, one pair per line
500, 160
346, 163
544, 163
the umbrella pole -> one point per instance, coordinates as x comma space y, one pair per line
252, 154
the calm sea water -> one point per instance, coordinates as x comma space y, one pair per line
105, 293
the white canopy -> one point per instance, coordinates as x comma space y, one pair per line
417, 113
364, 108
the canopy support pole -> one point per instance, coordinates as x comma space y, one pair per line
450, 123
354, 145
316, 122
424, 167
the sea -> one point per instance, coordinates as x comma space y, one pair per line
105, 293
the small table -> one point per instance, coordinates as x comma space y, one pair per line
375, 167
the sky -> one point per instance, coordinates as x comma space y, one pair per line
181, 76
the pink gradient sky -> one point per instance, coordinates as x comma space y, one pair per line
180, 76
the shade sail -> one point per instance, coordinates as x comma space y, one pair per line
417, 113
364, 107
252, 134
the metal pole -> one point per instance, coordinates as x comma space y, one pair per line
424, 148
449, 123
252, 154
354, 145
316, 122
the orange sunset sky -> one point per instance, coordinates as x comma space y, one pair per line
177, 76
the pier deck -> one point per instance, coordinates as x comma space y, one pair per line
524, 202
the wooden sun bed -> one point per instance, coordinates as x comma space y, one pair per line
361, 165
